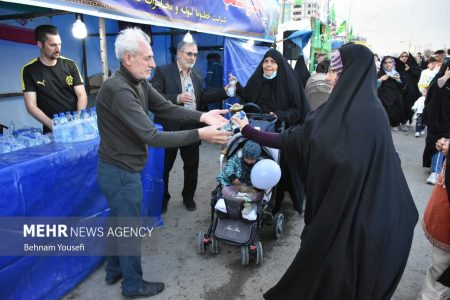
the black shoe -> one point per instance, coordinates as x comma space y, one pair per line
190, 205
112, 280
148, 289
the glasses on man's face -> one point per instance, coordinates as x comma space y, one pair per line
190, 54
388, 62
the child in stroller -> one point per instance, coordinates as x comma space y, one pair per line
238, 209
237, 174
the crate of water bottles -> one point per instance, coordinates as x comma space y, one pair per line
73, 127
27, 137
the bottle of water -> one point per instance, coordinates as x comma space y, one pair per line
87, 125
231, 87
69, 116
94, 119
78, 132
190, 91
11, 129
56, 129
65, 134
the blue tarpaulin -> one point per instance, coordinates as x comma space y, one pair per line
241, 60
300, 37
58, 180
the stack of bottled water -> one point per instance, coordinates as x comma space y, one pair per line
75, 127
14, 140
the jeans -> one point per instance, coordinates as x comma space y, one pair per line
419, 123
123, 191
436, 162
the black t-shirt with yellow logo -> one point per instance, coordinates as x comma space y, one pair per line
54, 85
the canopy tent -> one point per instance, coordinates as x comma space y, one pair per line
16, 53
254, 19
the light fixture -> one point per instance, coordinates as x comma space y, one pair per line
188, 38
79, 30
249, 44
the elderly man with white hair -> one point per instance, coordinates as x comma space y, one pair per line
125, 132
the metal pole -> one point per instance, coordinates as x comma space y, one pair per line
103, 51
84, 62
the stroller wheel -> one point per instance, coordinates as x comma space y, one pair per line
278, 225
201, 247
259, 253
244, 255
214, 245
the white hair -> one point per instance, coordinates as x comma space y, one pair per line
129, 40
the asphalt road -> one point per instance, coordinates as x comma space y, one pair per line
170, 255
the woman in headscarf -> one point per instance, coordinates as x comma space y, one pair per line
411, 75
302, 70
360, 215
275, 88
390, 86
437, 118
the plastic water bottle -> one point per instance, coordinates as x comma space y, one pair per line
78, 131
232, 87
87, 120
65, 134
69, 116
93, 113
11, 129
190, 91
56, 128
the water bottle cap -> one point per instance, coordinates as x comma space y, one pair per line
61, 114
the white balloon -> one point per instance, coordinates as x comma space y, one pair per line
265, 174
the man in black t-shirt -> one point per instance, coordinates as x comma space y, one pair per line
51, 83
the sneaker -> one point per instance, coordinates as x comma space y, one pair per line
417, 134
395, 128
432, 178
403, 127
422, 132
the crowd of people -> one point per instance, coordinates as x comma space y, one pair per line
413, 91
358, 227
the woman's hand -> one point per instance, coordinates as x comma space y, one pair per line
442, 145
239, 122
383, 78
236, 181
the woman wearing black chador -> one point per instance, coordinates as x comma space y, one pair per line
359, 215
276, 89
410, 71
390, 87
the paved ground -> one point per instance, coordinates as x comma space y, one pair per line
171, 254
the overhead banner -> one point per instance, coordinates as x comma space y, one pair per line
251, 19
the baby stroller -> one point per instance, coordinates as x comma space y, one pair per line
229, 223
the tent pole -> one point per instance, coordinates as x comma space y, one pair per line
83, 46
103, 51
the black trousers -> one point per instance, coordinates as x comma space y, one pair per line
190, 156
